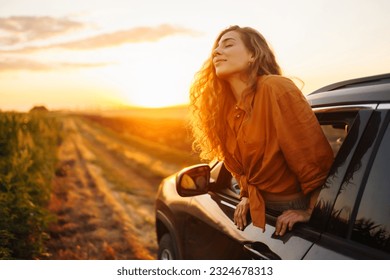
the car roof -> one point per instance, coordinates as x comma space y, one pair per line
372, 89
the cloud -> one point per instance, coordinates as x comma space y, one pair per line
25, 29
10, 65
133, 35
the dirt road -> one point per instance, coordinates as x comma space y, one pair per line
103, 198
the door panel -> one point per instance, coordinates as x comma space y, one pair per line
213, 235
207, 233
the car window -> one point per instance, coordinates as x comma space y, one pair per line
233, 188
225, 182
335, 126
335, 133
372, 224
348, 192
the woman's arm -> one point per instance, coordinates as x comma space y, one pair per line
290, 217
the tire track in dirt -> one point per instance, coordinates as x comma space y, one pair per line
97, 218
132, 187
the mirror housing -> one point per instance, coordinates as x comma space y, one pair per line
193, 180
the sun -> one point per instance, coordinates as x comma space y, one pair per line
157, 74
153, 82
141, 87
161, 91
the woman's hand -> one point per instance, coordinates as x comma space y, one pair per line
240, 213
289, 218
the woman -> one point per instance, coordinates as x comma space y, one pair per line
260, 124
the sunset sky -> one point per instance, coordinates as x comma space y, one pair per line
82, 54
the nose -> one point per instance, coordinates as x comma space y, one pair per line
216, 52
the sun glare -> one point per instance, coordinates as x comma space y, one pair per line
159, 92
143, 87
149, 76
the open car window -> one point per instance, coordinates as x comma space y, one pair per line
335, 133
336, 126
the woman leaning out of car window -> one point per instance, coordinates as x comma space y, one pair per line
244, 112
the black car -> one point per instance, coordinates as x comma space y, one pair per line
351, 220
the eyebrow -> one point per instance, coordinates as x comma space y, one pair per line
227, 39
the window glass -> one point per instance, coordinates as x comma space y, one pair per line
336, 125
335, 133
372, 224
232, 189
343, 209
337, 197
226, 183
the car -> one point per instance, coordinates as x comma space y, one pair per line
351, 220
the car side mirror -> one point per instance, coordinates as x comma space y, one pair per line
193, 180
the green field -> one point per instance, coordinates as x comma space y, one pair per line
28, 145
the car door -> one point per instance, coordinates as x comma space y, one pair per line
358, 226
211, 232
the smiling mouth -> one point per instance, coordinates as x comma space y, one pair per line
217, 61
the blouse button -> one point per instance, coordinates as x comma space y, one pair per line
237, 116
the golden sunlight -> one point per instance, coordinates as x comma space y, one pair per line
160, 92
148, 75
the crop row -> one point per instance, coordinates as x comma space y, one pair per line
28, 149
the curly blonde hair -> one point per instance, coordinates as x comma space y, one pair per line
210, 96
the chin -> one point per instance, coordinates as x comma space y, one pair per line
222, 74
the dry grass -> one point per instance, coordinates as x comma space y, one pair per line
104, 191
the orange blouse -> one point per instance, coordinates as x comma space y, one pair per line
278, 147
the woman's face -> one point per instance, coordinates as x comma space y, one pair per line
231, 57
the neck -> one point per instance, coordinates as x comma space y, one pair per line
238, 86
